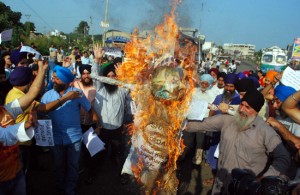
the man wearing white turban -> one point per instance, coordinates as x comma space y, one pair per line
201, 96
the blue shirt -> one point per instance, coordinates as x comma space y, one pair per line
66, 119
235, 100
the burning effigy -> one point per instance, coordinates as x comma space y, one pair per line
161, 69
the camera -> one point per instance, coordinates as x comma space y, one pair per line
245, 182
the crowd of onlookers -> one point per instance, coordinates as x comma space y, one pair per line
251, 121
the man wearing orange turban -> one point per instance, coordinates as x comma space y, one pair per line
270, 75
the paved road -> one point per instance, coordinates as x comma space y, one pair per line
241, 68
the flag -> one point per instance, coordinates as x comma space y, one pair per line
6, 35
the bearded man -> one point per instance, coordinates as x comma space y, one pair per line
67, 132
228, 97
246, 142
201, 94
109, 105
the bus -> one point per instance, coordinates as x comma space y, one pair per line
273, 58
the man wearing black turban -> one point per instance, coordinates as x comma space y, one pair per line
246, 142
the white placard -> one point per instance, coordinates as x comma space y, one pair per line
291, 78
198, 109
43, 133
31, 50
92, 142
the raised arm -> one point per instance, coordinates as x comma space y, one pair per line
98, 53
290, 106
290, 138
26, 100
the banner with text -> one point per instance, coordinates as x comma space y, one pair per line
296, 49
43, 133
113, 51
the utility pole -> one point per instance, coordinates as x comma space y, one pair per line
105, 24
27, 25
92, 29
27, 16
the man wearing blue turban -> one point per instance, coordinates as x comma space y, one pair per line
284, 125
67, 131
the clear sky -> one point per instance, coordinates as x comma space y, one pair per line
263, 23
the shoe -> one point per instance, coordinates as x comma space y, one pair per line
198, 157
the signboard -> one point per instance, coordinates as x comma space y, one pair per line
117, 39
104, 24
43, 133
113, 51
296, 49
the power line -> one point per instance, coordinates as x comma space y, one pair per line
38, 15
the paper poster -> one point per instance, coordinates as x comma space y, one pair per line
198, 109
291, 78
92, 142
31, 50
43, 133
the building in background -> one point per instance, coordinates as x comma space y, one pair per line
239, 51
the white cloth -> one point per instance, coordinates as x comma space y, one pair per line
85, 60
216, 90
14, 133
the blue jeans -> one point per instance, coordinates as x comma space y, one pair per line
66, 166
16, 186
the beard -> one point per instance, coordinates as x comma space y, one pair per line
110, 88
243, 122
59, 87
228, 95
86, 83
203, 89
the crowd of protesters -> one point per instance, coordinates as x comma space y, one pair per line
251, 122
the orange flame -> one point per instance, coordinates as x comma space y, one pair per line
169, 115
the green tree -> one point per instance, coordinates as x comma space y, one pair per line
83, 28
257, 56
30, 27
8, 18
11, 20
